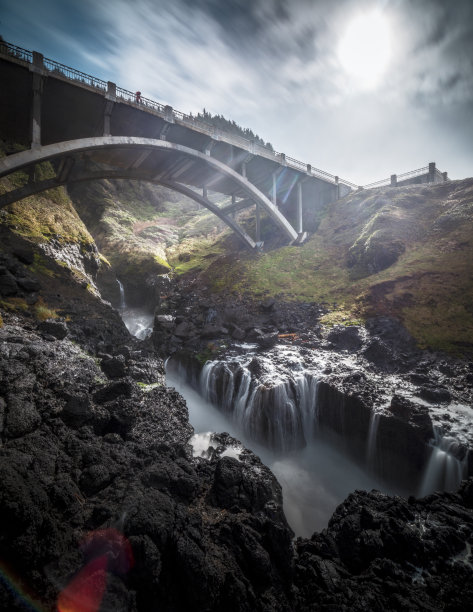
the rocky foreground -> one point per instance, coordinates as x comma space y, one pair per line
104, 504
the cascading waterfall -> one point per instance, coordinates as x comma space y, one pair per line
138, 321
371, 440
444, 470
315, 477
281, 415
307, 431
122, 295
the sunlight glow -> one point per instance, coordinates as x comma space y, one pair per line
365, 48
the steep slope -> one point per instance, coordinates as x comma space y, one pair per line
133, 224
404, 251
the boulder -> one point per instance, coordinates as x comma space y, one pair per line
345, 337
114, 367
57, 329
21, 418
8, 284
110, 392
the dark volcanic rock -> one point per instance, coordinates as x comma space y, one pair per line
57, 329
78, 479
387, 553
114, 367
435, 394
343, 337
8, 285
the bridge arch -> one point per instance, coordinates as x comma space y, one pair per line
144, 159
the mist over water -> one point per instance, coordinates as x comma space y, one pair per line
139, 322
314, 480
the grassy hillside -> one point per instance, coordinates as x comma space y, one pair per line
403, 251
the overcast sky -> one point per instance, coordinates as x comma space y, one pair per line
359, 88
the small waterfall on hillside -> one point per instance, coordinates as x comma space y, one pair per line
444, 470
138, 321
122, 295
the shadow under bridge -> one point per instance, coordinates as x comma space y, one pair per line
172, 165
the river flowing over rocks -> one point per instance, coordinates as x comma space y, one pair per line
108, 497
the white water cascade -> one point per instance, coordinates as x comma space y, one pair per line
372, 438
122, 295
138, 321
302, 432
444, 470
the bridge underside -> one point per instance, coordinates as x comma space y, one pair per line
177, 167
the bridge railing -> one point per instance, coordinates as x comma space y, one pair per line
74, 75
348, 184
413, 173
381, 183
17, 52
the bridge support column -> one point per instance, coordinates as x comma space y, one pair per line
38, 81
258, 223
299, 209
243, 169
204, 191
393, 180
274, 189
209, 146
110, 98
233, 204
337, 188
432, 172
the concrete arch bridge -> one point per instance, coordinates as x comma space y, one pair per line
92, 129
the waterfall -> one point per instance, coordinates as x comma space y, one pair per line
138, 321
122, 295
371, 439
282, 415
444, 470
301, 410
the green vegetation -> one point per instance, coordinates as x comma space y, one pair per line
146, 387
45, 216
42, 311
14, 304
226, 125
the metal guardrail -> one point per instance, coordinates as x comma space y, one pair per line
380, 183
399, 178
130, 97
413, 173
348, 184
74, 75
17, 52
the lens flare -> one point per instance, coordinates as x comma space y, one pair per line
104, 551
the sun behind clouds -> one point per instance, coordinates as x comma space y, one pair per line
364, 50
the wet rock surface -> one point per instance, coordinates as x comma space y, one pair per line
90, 464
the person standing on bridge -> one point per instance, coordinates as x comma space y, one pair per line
138, 96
